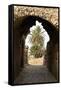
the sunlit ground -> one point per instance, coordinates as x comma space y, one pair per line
36, 61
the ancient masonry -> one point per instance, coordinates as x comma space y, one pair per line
50, 14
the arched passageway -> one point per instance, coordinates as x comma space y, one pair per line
21, 30
35, 52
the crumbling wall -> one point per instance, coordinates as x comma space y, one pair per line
48, 13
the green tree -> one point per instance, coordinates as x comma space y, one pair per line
37, 41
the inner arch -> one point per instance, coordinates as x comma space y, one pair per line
44, 34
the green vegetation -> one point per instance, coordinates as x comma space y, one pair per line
37, 41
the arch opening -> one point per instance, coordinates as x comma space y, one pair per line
52, 45
36, 45
22, 32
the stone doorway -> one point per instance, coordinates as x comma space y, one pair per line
35, 52
20, 34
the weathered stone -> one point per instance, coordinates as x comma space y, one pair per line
50, 14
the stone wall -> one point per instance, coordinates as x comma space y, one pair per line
53, 61
25, 55
17, 47
50, 14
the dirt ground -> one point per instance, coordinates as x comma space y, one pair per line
36, 61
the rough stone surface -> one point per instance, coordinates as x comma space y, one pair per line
34, 74
50, 14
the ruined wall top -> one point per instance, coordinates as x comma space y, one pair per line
50, 14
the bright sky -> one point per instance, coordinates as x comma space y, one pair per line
44, 34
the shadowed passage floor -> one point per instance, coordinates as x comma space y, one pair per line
34, 74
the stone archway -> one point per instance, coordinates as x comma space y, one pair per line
21, 30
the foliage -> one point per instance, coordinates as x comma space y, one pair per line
37, 41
